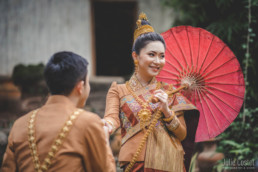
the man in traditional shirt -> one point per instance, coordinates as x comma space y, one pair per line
59, 136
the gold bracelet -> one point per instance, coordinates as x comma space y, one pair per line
169, 119
174, 124
111, 124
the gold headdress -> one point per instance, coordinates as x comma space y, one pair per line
141, 29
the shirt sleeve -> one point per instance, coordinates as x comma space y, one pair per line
112, 106
99, 156
9, 163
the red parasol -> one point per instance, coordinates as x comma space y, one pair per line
196, 57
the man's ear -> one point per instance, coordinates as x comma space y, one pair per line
79, 87
134, 55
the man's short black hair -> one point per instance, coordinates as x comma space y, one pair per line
63, 71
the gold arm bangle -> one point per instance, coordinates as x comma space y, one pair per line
111, 124
169, 119
174, 124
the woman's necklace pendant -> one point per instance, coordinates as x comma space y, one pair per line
144, 115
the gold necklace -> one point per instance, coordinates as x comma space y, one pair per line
144, 114
56, 144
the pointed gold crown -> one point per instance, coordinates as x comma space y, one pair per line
141, 29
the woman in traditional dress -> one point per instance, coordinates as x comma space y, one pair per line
147, 146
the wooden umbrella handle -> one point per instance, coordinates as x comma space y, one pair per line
184, 86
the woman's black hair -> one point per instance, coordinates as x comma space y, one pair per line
144, 39
63, 71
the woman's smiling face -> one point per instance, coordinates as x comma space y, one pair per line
151, 59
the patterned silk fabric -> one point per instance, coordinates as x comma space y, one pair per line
129, 107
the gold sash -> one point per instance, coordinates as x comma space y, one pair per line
162, 150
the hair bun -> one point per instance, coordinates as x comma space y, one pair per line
143, 26
143, 16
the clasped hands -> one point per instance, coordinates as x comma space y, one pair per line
163, 102
163, 106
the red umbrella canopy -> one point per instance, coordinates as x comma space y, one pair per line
216, 84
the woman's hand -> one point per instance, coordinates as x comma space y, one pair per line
107, 127
163, 105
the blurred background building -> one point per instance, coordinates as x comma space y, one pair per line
99, 30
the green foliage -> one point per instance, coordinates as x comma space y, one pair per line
239, 140
27, 78
26, 74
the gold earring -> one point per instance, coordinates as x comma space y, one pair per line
135, 66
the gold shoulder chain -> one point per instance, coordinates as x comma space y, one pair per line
56, 144
144, 114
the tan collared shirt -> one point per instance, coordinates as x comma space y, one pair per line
84, 149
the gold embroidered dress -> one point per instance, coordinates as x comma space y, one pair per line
163, 151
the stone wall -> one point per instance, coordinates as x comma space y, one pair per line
31, 31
